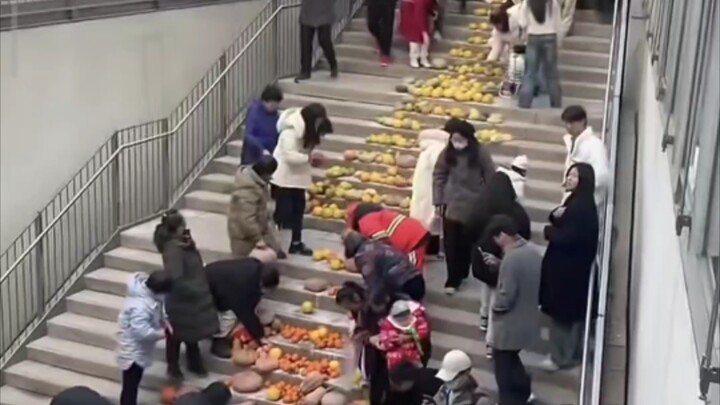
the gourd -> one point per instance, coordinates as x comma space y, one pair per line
242, 357
314, 397
333, 398
439, 63
313, 381
266, 364
246, 382
316, 285
168, 395
406, 161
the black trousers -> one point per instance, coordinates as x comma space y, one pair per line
433, 245
514, 384
290, 210
458, 242
192, 352
381, 23
379, 380
307, 37
130, 383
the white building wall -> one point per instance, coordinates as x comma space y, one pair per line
663, 360
66, 88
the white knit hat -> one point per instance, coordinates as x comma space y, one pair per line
520, 162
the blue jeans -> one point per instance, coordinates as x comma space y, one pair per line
541, 51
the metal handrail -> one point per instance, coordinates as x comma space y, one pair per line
128, 145
609, 132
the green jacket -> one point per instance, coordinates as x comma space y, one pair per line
248, 215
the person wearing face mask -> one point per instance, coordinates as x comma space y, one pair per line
301, 131
189, 305
459, 196
249, 224
142, 324
572, 246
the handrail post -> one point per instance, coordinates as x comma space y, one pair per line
39, 266
115, 182
224, 102
165, 164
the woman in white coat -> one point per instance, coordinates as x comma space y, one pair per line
432, 142
301, 130
505, 33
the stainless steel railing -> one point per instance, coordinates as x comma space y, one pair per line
594, 343
149, 169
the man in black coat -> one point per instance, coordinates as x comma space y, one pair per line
236, 285
79, 396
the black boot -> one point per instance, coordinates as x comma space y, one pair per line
301, 77
172, 357
194, 359
221, 347
299, 248
334, 72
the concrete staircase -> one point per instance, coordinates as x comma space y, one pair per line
79, 345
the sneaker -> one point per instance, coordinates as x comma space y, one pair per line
450, 290
424, 62
484, 323
299, 248
385, 61
414, 64
301, 77
531, 399
281, 255
548, 365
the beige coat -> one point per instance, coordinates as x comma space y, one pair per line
248, 215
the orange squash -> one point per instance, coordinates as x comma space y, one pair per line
168, 395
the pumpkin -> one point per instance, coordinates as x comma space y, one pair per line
264, 255
333, 398
242, 357
266, 364
246, 382
314, 397
439, 63
312, 382
406, 161
168, 395
315, 285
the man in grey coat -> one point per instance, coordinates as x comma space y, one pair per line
316, 16
516, 315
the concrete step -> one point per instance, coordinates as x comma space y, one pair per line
14, 396
380, 90
371, 112
46, 380
578, 85
567, 56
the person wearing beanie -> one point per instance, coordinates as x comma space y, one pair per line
459, 196
249, 220
518, 175
79, 396
405, 335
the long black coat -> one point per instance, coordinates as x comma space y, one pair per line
189, 305
235, 286
572, 247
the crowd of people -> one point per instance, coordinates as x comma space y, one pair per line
463, 208
526, 35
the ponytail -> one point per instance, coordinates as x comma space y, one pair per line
166, 230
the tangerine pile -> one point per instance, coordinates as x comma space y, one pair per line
321, 338
297, 364
288, 393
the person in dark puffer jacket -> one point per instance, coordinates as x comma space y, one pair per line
79, 396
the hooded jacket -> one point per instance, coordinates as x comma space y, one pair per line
432, 142
397, 351
248, 216
459, 391
590, 149
141, 323
403, 233
293, 159
518, 180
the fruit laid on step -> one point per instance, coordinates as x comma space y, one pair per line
242, 356
492, 136
405, 203
337, 264
283, 391
168, 395
495, 118
405, 123
477, 40
312, 381
246, 382
273, 394
313, 397
482, 12
266, 364
293, 334
307, 307
338, 171
321, 254
350, 155
316, 285
333, 398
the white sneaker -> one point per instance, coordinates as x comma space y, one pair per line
414, 63
548, 365
450, 290
425, 62
531, 399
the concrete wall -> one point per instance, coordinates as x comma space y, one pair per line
663, 361
65, 89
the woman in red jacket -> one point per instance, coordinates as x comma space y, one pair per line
415, 26
401, 232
